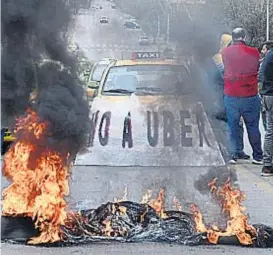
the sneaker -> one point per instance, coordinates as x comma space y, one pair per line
257, 162
267, 171
233, 160
243, 156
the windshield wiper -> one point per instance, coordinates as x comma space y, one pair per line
121, 91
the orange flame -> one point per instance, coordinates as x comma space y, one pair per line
108, 229
156, 204
177, 204
231, 200
39, 179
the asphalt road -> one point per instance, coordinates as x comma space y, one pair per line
91, 186
134, 249
106, 40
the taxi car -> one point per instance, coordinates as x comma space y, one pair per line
143, 113
94, 76
7, 139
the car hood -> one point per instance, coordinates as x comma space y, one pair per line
150, 131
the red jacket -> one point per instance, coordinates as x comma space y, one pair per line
241, 64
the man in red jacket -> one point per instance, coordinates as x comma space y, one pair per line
241, 93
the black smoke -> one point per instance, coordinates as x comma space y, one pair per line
35, 57
221, 173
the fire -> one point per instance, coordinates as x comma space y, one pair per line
108, 229
231, 200
39, 179
156, 204
177, 204
146, 197
124, 198
39, 183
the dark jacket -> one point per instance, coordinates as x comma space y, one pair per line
267, 74
241, 64
260, 74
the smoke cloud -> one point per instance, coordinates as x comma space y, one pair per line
221, 173
33, 31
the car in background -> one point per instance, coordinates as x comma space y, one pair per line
7, 139
96, 74
144, 40
96, 7
104, 20
113, 6
131, 25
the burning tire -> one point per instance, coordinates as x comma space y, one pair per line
127, 221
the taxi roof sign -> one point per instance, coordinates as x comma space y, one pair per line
146, 55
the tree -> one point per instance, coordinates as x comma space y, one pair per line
196, 22
251, 15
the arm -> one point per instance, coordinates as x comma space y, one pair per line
221, 68
268, 58
260, 76
264, 66
219, 63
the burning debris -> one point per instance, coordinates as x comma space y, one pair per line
148, 221
39, 177
127, 221
39, 82
39, 171
51, 133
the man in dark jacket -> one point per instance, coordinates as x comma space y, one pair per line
267, 94
266, 47
241, 93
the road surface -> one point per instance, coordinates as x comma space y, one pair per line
91, 186
106, 40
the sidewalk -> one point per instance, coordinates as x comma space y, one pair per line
259, 190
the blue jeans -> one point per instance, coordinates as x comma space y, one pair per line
249, 109
240, 141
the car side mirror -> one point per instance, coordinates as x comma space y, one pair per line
92, 91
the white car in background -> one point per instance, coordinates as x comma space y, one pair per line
144, 40
104, 20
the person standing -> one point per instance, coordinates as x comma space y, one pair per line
265, 48
226, 41
241, 98
267, 94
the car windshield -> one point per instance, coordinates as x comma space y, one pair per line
166, 79
98, 71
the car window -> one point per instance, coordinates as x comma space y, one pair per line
98, 72
148, 78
